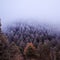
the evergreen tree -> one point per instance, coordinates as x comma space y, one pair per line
14, 52
44, 52
4, 54
30, 51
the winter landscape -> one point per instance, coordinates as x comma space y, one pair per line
30, 30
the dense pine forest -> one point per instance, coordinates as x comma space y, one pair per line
27, 42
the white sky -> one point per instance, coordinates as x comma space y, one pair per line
47, 11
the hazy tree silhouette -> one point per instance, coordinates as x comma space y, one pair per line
14, 52
30, 51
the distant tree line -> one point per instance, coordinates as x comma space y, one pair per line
26, 42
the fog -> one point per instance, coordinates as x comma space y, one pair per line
38, 11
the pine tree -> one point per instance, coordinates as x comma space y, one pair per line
4, 54
14, 52
44, 52
30, 51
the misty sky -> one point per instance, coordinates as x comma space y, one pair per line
47, 11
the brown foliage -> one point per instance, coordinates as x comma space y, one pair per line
29, 51
44, 52
14, 52
4, 54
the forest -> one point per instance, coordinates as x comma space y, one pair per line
27, 42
